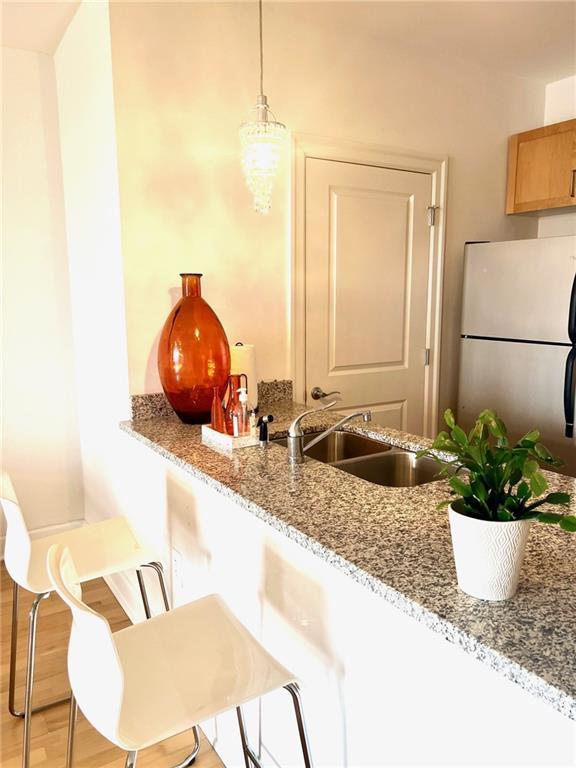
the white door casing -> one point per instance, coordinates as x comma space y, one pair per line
367, 280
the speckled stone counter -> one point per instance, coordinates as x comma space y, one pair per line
395, 543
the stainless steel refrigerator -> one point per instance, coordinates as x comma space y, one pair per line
518, 340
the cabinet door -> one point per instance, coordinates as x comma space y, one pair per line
541, 168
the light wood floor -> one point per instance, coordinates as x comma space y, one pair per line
49, 728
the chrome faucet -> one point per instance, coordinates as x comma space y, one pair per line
295, 442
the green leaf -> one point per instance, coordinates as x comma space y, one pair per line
531, 437
515, 476
531, 467
542, 452
558, 498
528, 515
550, 518
460, 487
479, 489
459, 436
444, 504
503, 515
568, 523
523, 490
538, 484
475, 452
449, 418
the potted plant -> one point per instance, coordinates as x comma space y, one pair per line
498, 490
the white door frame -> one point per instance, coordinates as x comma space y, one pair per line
384, 157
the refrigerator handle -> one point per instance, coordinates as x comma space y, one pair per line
570, 392
572, 314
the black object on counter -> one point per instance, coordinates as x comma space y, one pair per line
263, 422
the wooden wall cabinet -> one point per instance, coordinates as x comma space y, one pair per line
542, 168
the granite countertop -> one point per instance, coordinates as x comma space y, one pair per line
397, 544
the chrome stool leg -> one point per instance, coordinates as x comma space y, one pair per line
13, 653
160, 573
190, 759
71, 731
33, 619
294, 691
131, 760
143, 593
159, 568
249, 756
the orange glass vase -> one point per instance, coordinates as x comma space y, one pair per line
193, 354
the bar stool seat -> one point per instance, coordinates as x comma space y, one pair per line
153, 680
187, 666
100, 549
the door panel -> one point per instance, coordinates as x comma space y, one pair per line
367, 318
367, 265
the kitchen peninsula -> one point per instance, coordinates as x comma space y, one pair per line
352, 586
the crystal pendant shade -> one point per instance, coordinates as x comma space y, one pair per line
262, 141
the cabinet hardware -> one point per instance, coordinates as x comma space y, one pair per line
427, 356
573, 185
432, 215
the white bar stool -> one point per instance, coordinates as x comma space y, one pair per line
99, 550
156, 679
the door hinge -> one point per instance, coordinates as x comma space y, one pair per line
427, 356
432, 215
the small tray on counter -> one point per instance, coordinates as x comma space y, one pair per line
225, 442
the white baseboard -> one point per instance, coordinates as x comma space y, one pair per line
48, 530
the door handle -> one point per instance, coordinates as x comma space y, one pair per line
318, 394
573, 184
572, 313
570, 392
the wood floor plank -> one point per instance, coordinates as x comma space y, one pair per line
50, 728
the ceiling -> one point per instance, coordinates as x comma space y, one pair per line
529, 38
36, 26
533, 39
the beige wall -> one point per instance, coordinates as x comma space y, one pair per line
40, 444
185, 75
560, 101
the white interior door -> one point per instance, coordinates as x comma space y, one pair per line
367, 255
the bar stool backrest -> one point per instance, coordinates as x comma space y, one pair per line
17, 548
94, 668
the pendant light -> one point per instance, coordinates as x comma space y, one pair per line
261, 140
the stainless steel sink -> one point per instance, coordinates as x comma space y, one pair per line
340, 445
398, 469
371, 460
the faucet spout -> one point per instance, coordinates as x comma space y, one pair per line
296, 446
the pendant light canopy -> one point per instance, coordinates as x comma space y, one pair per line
262, 139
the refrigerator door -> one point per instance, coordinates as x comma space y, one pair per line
522, 289
524, 384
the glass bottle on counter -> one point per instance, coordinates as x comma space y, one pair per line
235, 382
243, 416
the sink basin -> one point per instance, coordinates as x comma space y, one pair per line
398, 469
340, 445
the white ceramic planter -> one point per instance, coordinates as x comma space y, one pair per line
488, 555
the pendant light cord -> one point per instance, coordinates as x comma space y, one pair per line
261, 49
